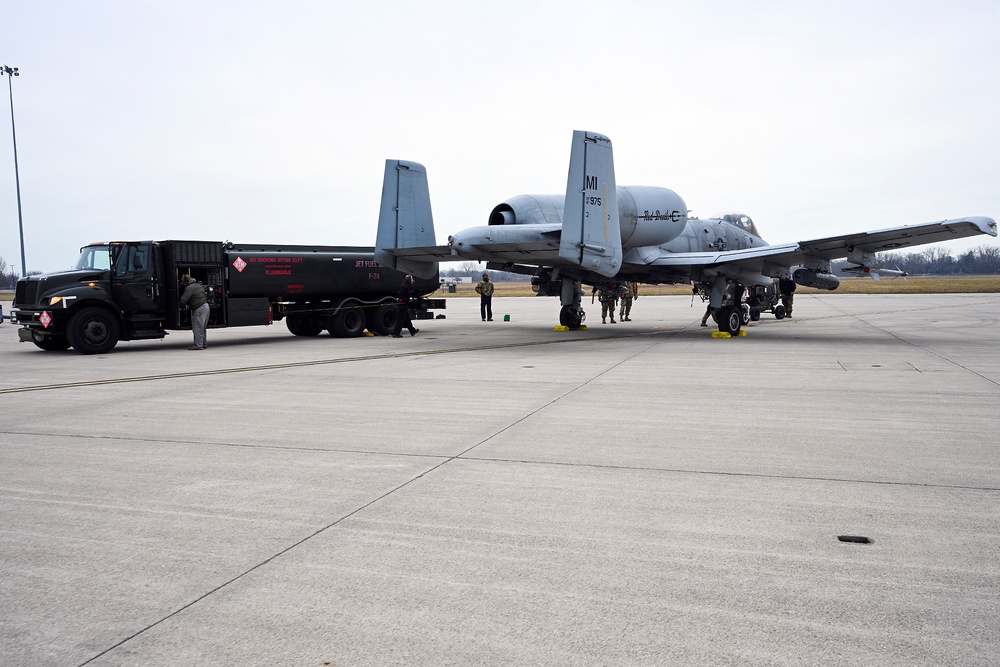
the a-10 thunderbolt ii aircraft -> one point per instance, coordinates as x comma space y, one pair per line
600, 234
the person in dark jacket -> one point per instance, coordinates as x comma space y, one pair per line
403, 297
787, 289
485, 291
194, 297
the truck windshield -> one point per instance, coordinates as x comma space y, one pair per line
94, 257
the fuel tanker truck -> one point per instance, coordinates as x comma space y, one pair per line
131, 291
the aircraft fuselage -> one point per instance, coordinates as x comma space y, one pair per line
652, 220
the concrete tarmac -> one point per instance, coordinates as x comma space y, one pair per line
500, 493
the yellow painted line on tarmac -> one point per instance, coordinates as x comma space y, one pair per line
302, 364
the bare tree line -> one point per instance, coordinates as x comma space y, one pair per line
475, 270
981, 260
9, 275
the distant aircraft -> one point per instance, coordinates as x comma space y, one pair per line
600, 234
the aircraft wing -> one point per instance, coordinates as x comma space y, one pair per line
748, 265
834, 247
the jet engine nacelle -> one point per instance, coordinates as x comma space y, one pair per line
810, 278
529, 210
648, 216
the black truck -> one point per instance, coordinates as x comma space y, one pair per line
130, 291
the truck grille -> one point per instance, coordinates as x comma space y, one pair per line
25, 293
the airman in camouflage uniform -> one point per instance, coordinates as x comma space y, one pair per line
787, 289
631, 292
609, 298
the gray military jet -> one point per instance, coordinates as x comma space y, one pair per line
601, 234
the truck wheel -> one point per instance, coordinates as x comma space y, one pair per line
50, 343
348, 322
779, 312
382, 320
754, 314
304, 325
311, 325
93, 331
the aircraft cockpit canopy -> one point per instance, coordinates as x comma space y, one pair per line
741, 220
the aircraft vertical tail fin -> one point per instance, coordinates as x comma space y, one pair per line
591, 234
405, 219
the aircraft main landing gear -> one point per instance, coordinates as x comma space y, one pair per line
571, 314
730, 319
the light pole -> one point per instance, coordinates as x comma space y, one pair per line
11, 72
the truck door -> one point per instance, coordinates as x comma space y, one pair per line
134, 277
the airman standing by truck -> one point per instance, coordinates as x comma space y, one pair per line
194, 297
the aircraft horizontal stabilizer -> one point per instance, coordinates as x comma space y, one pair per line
591, 235
405, 219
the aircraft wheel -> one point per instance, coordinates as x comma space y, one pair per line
779, 312
571, 317
745, 314
93, 331
730, 320
348, 322
382, 320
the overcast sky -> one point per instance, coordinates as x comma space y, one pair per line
270, 122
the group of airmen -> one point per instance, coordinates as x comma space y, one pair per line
611, 295
619, 296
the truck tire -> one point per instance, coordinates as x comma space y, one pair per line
50, 343
304, 325
93, 331
382, 320
348, 322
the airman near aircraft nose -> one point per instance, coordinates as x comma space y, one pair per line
631, 292
708, 313
485, 291
787, 289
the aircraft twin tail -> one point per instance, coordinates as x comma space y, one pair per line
601, 234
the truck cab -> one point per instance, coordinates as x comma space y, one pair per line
112, 293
